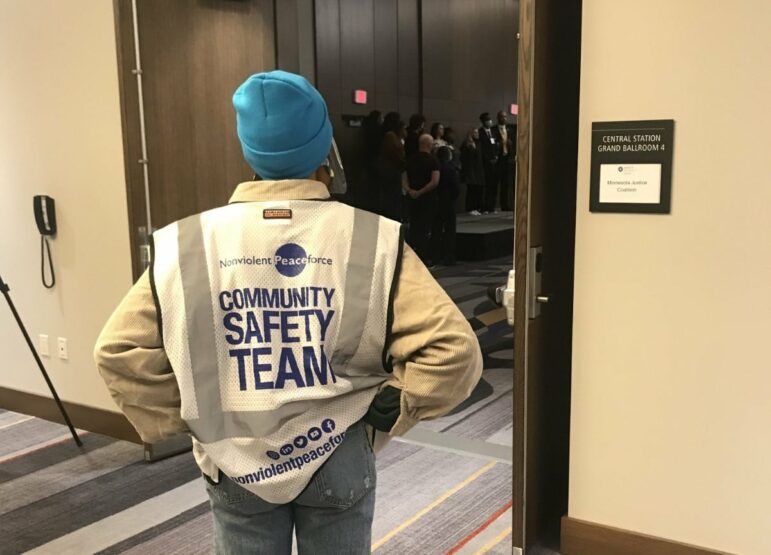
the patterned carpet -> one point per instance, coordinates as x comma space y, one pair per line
445, 488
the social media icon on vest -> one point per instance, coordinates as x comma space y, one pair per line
328, 425
300, 442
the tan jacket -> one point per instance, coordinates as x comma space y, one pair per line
437, 360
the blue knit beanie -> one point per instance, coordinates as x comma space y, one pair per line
283, 125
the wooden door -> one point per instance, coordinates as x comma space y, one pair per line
193, 57
549, 64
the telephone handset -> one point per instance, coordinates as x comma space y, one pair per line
45, 217
45, 214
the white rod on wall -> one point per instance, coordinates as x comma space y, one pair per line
138, 73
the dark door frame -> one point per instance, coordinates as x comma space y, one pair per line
548, 104
129, 102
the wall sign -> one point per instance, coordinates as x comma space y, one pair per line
632, 166
353, 120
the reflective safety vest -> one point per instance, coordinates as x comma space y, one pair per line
275, 318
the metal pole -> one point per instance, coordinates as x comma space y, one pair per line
142, 131
5, 290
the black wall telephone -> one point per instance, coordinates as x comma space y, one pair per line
45, 214
45, 217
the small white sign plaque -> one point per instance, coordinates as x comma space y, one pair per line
630, 183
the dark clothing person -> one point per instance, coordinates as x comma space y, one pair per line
390, 166
371, 137
506, 135
443, 230
414, 131
411, 143
419, 169
372, 134
473, 175
490, 148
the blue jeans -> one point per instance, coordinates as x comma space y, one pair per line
333, 515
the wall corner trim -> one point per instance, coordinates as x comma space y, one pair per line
100, 421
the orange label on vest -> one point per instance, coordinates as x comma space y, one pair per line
277, 214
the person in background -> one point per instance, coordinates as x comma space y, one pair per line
371, 128
490, 149
372, 136
414, 131
419, 182
449, 137
473, 173
390, 166
506, 135
437, 132
443, 231
284, 453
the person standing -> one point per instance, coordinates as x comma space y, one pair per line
443, 231
420, 181
372, 137
490, 148
437, 132
260, 329
473, 172
449, 138
390, 166
506, 135
414, 131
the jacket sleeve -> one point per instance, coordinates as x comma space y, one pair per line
436, 354
130, 357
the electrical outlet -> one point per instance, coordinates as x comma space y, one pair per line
63, 348
43, 345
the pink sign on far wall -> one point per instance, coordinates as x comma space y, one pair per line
360, 96
514, 109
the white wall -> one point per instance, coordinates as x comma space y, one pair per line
671, 406
60, 134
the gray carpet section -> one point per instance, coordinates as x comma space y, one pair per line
178, 522
415, 482
438, 531
394, 453
10, 417
59, 514
43, 458
195, 537
66, 475
488, 420
27, 434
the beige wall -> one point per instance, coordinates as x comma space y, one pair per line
60, 134
671, 403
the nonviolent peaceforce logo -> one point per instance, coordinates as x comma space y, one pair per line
310, 443
290, 260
